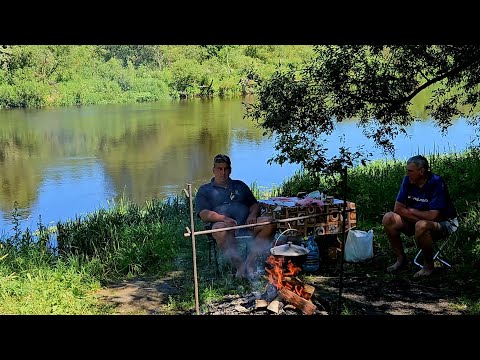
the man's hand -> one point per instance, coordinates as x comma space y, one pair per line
404, 212
251, 219
253, 213
414, 215
410, 215
431, 215
212, 216
229, 221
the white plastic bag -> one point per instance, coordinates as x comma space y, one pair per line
359, 245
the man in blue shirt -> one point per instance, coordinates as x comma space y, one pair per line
224, 202
423, 208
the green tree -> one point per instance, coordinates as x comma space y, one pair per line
136, 54
374, 84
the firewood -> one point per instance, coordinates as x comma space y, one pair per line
295, 280
308, 290
261, 303
306, 306
275, 306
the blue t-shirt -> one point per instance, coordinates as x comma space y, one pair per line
433, 195
233, 201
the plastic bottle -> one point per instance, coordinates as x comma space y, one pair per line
313, 257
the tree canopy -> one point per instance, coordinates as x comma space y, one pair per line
374, 84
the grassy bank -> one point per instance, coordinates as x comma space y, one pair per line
127, 241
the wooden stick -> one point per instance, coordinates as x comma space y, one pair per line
192, 224
259, 224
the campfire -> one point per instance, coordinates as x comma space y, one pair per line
288, 286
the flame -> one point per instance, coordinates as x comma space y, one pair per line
276, 275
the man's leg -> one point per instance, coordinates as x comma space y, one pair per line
262, 242
394, 225
425, 231
226, 243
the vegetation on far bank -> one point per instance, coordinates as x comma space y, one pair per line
59, 272
64, 75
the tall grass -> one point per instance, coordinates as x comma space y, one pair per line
31, 285
374, 187
119, 242
126, 240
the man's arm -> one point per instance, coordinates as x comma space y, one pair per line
414, 214
254, 211
212, 216
203, 207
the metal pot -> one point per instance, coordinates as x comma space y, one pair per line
289, 251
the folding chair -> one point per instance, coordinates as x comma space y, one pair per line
212, 248
437, 255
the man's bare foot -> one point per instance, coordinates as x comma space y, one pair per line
423, 272
399, 265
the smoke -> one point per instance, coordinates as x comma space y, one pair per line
246, 243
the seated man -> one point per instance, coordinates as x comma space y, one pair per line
423, 208
224, 203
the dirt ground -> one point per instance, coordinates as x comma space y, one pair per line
366, 290
143, 296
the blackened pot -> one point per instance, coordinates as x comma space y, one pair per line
289, 251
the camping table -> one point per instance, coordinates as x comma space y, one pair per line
328, 219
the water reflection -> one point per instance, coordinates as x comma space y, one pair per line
59, 163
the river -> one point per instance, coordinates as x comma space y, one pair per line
63, 162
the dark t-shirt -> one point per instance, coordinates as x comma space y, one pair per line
234, 200
433, 195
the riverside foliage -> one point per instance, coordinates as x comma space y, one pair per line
65, 75
126, 241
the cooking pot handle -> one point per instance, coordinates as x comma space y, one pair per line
283, 232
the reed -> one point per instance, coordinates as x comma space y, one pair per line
128, 239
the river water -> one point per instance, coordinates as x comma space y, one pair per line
63, 162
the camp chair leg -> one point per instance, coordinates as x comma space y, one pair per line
415, 259
209, 252
435, 257
212, 248
215, 258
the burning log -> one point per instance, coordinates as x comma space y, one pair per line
307, 290
289, 287
306, 306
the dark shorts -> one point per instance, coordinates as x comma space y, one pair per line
449, 226
244, 232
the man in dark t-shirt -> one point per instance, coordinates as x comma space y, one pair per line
224, 202
423, 208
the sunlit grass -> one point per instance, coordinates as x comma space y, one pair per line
126, 241
66, 288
